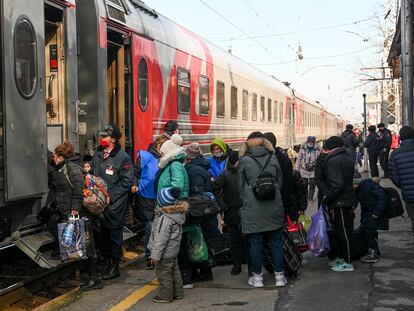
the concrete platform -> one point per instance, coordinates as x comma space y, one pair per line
384, 286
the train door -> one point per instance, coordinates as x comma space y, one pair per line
117, 84
23, 100
55, 77
292, 122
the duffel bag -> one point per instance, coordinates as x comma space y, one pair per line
395, 206
298, 235
95, 194
202, 205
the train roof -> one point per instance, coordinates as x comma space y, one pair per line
143, 20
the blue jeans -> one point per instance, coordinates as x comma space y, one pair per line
148, 228
256, 250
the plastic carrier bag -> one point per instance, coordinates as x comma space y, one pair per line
95, 194
72, 239
306, 221
318, 240
196, 245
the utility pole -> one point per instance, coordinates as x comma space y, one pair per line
365, 133
407, 62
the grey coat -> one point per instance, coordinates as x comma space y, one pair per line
259, 216
167, 231
306, 161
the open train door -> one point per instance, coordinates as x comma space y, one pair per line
23, 101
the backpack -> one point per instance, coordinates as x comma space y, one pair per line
395, 206
264, 187
202, 208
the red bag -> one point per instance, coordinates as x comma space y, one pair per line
298, 234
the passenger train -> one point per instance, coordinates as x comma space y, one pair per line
69, 67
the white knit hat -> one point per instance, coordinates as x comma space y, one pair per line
171, 145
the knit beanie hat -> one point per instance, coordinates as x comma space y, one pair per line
349, 127
193, 150
311, 139
333, 142
233, 157
167, 196
406, 132
172, 145
357, 178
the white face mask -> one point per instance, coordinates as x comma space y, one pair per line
218, 154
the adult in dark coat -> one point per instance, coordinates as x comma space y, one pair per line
338, 196
373, 143
226, 185
67, 180
374, 201
385, 135
261, 218
113, 164
287, 173
200, 181
402, 169
350, 142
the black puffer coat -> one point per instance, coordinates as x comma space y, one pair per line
226, 188
67, 184
298, 197
119, 182
338, 171
198, 175
287, 177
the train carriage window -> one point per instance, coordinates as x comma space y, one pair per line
275, 112
262, 108
269, 110
25, 58
254, 107
233, 107
245, 105
220, 100
281, 112
204, 96
183, 78
143, 84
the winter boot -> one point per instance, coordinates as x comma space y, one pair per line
94, 281
107, 262
236, 270
113, 271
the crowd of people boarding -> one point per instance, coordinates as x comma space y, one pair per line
256, 187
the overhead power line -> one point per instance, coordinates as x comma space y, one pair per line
295, 32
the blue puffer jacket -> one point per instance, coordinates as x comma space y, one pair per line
402, 169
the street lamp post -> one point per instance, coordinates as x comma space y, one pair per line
365, 133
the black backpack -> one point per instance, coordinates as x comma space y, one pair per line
265, 186
395, 206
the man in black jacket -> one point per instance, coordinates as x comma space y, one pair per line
385, 135
350, 142
373, 144
338, 196
113, 165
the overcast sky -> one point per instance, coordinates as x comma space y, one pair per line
337, 38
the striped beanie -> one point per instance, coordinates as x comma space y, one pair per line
165, 197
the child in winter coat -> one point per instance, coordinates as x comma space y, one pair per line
165, 242
373, 200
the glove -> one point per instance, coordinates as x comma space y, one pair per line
175, 192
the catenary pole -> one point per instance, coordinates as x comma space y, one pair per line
407, 61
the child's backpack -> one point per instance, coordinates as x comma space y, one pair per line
395, 205
95, 194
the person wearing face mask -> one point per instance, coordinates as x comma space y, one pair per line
305, 164
113, 165
218, 161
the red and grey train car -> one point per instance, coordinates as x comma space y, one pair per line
69, 67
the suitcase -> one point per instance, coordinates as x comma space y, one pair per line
293, 258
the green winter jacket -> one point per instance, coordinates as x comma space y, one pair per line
173, 173
259, 216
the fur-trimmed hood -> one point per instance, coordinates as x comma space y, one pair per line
175, 212
254, 143
167, 158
